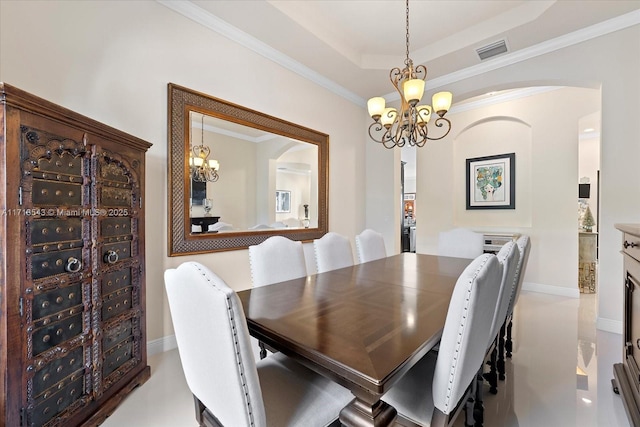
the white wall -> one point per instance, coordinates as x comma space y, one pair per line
111, 61
546, 160
610, 63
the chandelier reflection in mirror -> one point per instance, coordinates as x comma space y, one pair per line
202, 168
409, 126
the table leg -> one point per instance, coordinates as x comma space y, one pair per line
367, 411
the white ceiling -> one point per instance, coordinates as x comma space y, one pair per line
349, 46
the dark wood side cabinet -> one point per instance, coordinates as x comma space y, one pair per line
204, 221
72, 272
627, 374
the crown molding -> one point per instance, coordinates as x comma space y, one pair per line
201, 16
499, 98
597, 30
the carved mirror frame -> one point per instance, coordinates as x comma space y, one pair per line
181, 241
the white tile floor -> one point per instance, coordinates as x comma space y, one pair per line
559, 376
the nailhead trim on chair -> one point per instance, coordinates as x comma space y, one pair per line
461, 329
239, 364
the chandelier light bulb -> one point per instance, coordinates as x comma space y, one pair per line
442, 102
376, 107
413, 91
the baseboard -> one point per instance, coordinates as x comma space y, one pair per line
161, 345
608, 325
551, 290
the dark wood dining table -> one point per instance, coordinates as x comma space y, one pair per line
362, 326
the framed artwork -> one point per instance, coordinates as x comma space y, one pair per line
491, 182
283, 201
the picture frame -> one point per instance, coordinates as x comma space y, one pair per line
283, 201
491, 182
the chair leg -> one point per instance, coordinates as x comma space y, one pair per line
263, 350
478, 409
509, 343
501, 353
492, 375
199, 410
470, 405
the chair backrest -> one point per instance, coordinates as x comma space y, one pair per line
524, 246
332, 251
466, 331
275, 260
508, 256
460, 243
213, 342
370, 246
220, 226
260, 227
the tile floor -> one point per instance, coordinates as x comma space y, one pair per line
559, 376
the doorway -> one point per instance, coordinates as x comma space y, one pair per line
408, 202
588, 202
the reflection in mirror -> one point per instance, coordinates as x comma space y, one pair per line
257, 165
272, 176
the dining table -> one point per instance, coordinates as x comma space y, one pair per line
362, 326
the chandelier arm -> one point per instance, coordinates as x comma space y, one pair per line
439, 123
395, 75
386, 136
421, 72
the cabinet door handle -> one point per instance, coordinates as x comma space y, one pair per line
111, 257
629, 245
73, 265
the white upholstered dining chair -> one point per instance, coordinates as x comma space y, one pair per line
229, 387
275, 260
524, 246
508, 256
460, 243
370, 246
332, 251
428, 395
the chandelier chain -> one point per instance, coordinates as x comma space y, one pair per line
406, 61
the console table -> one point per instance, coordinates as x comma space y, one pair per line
204, 221
587, 244
493, 242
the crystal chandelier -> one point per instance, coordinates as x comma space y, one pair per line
409, 126
202, 169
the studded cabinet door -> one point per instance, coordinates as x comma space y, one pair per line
56, 300
116, 313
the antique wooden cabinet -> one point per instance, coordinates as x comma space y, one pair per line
627, 374
72, 274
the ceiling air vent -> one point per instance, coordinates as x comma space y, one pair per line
492, 49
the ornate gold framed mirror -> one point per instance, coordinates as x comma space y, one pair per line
238, 176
